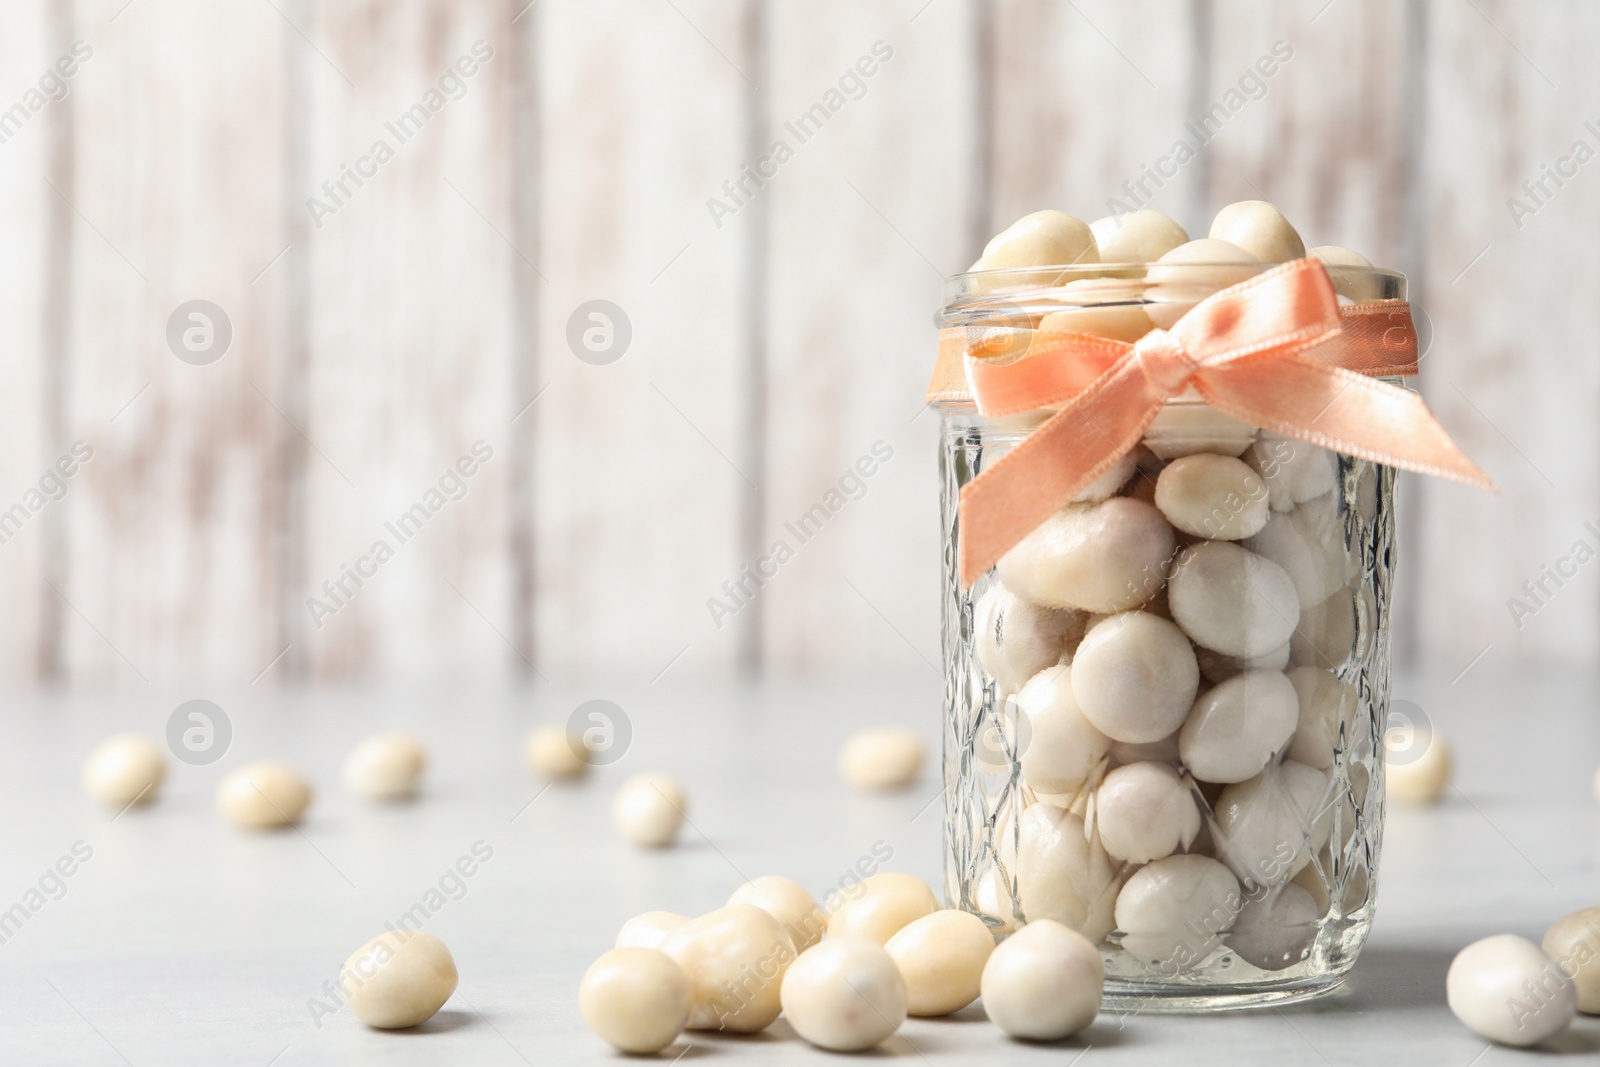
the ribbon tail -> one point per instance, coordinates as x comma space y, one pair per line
1053, 465
1300, 396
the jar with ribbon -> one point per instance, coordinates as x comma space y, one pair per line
1168, 505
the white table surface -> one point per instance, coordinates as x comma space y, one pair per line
183, 940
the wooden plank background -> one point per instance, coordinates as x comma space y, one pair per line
775, 340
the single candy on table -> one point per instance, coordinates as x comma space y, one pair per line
548, 751
941, 958
387, 767
1062, 747
787, 901
649, 810
719, 952
1260, 229
398, 979
649, 929
1506, 989
636, 999
1135, 677
264, 795
124, 770
845, 994
887, 757
1418, 777
1136, 236
1236, 727
881, 906
1174, 912
1574, 943
1232, 600
1101, 557
1043, 983
1145, 811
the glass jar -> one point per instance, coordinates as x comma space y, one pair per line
1164, 707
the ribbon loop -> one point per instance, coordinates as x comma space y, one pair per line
1166, 365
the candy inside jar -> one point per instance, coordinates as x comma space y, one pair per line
1163, 699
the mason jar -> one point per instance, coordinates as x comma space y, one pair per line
1164, 706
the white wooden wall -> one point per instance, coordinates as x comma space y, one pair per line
769, 353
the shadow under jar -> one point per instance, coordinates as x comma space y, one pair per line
1164, 707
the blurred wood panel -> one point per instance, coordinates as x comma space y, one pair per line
408, 193
174, 523
29, 265
866, 219
637, 461
1514, 373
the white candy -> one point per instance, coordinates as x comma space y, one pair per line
1095, 557
1275, 929
886, 757
636, 999
787, 901
1574, 943
387, 767
1173, 913
1062, 747
1136, 236
1357, 283
398, 979
1145, 811
1237, 727
124, 770
1135, 677
1211, 496
1260, 229
1107, 485
1231, 600
1108, 307
1507, 990
1188, 274
550, 753
1043, 983
1015, 639
1422, 779
993, 898
882, 906
649, 809
845, 995
1267, 828
1325, 703
649, 929
1294, 471
1326, 636
735, 958
1217, 667
1308, 543
1187, 425
1042, 239
941, 958
263, 795
1063, 872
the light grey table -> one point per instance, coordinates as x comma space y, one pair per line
182, 940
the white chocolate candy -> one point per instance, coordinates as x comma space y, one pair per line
1308, 543
387, 767
1015, 639
845, 995
1294, 471
1506, 989
263, 795
1232, 600
735, 958
1043, 983
1187, 425
1063, 872
787, 901
550, 753
1236, 727
1422, 778
635, 999
1212, 496
1188, 274
649, 809
1145, 811
649, 929
398, 979
124, 770
1042, 239
1267, 828
1106, 307
1101, 557
1275, 928
885, 757
1136, 236
1260, 229
1063, 748
1173, 912
1349, 272
1574, 943
1325, 702
882, 906
1326, 636
1135, 677
1217, 667
941, 958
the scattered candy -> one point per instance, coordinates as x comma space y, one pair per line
845, 994
636, 999
1043, 983
941, 957
649, 810
886, 757
124, 770
1506, 989
398, 979
264, 795
388, 767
